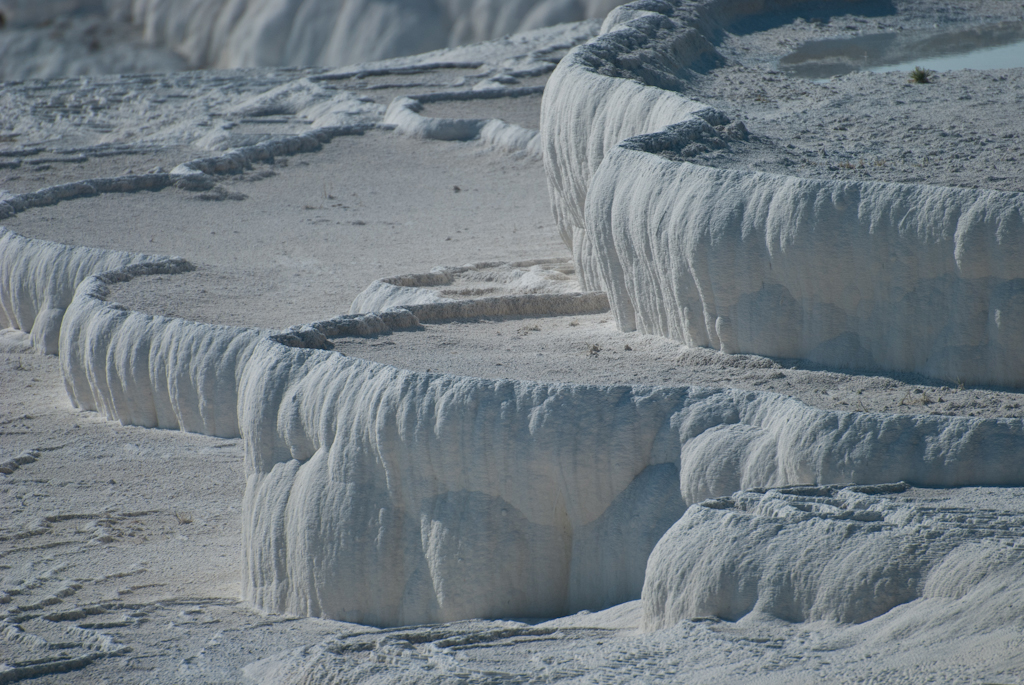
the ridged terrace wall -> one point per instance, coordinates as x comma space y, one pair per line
840, 555
877, 276
387, 496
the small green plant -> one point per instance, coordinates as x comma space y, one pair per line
919, 75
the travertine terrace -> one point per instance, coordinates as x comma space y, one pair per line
410, 487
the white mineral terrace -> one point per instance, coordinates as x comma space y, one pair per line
710, 421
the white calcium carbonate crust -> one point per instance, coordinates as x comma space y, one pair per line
592, 103
250, 33
384, 496
897, 277
827, 554
152, 371
583, 117
381, 295
403, 114
387, 496
846, 274
513, 283
38, 280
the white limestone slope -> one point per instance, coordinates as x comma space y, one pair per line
403, 114
65, 38
540, 287
589, 107
51, 43
843, 555
391, 497
38, 279
866, 275
151, 371
247, 33
386, 496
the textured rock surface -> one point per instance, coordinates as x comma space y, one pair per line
478, 497
845, 274
389, 497
403, 114
864, 275
386, 497
152, 371
38, 280
223, 34
834, 554
61, 38
495, 289
120, 544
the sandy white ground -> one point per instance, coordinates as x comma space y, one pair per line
122, 543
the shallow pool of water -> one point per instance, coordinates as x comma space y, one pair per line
999, 46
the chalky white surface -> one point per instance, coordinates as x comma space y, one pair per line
128, 570
900, 277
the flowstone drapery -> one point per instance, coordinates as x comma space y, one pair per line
878, 276
390, 496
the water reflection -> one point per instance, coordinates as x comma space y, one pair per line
998, 46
